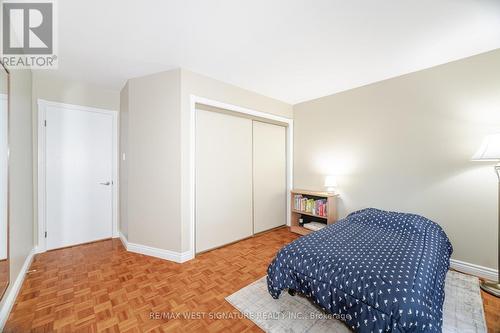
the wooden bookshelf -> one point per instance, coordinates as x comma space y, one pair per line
331, 209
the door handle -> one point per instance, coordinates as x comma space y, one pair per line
106, 183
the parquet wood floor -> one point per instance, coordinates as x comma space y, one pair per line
491, 306
100, 287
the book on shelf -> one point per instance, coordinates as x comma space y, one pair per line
309, 205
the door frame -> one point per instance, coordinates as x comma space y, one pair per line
191, 190
41, 220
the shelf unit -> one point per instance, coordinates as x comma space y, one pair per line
331, 209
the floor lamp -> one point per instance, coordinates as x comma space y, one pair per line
490, 151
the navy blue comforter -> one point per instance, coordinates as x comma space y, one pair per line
381, 271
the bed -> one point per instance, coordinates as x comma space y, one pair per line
379, 271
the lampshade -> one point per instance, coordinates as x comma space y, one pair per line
330, 181
489, 150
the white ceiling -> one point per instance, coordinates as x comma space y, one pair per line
292, 50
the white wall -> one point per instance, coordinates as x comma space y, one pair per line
52, 88
405, 144
151, 143
20, 173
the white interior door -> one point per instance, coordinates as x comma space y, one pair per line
79, 176
223, 179
269, 176
3, 175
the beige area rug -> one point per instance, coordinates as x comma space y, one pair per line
463, 309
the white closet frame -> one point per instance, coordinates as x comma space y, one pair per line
287, 122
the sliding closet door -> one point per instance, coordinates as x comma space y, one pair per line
269, 175
223, 179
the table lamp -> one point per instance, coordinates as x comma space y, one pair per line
330, 184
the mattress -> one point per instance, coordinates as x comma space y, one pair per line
379, 271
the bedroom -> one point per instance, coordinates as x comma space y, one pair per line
177, 182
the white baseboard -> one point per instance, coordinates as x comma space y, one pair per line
11, 295
179, 257
472, 269
124, 240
